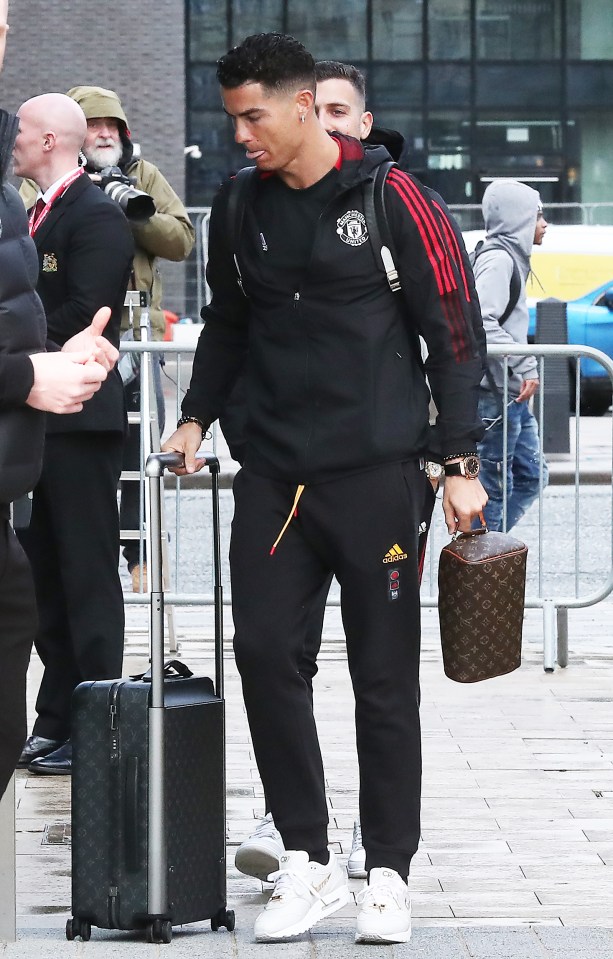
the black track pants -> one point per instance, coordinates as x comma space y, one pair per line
364, 528
72, 543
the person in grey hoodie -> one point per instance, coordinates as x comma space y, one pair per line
514, 221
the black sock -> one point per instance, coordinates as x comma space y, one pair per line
319, 855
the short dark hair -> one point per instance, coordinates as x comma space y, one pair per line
335, 70
277, 61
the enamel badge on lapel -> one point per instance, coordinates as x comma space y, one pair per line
49, 263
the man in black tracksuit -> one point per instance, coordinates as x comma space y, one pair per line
333, 474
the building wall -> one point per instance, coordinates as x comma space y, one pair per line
135, 48
478, 88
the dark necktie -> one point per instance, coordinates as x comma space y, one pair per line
39, 206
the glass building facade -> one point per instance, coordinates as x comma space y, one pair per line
478, 88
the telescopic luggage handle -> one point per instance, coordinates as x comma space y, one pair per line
155, 466
158, 462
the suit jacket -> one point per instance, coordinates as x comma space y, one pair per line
85, 252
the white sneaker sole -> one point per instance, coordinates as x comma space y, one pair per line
374, 938
318, 911
256, 861
355, 870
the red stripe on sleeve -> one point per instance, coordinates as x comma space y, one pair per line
421, 213
452, 240
438, 255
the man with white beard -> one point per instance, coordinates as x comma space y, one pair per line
168, 234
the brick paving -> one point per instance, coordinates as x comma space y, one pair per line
517, 850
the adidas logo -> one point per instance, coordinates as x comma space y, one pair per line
394, 554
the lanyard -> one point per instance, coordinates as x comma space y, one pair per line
37, 222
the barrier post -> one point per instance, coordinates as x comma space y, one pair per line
562, 637
549, 635
8, 925
551, 327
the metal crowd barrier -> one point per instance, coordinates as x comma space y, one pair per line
186, 291
553, 603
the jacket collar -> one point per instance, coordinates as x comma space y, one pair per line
61, 205
355, 163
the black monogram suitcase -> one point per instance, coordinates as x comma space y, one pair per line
148, 781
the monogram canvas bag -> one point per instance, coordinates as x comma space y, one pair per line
481, 580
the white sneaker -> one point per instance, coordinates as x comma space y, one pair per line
304, 893
259, 855
385, 915
356, 864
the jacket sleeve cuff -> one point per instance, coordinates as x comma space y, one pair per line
468, 448
16, 379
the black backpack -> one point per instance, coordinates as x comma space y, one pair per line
514, 284
374, 214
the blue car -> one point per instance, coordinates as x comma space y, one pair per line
590, 323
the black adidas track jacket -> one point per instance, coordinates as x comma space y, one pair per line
335, 381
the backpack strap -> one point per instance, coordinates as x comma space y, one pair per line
235, 213
514, 283
514, 291
382, 240
378, 224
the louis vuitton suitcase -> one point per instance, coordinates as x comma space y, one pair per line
148, 782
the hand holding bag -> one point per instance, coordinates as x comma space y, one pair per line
481, 581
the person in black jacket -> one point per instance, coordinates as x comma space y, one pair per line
340, 104
333, 477
85, 252
31, 381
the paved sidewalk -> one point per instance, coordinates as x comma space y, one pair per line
517, 851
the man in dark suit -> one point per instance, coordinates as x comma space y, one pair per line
85, 252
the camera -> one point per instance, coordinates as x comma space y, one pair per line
136, 205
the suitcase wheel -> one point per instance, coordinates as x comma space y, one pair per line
160, 930
78, 927
225, 917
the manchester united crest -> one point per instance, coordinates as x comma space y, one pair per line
49, 263
352, 229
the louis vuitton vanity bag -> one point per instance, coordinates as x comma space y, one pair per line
481, 582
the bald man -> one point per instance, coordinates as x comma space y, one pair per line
32, 381
85, 252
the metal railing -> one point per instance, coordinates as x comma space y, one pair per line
554, 603
185, 290
470, 215
551, 599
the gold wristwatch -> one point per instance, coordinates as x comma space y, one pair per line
468, 466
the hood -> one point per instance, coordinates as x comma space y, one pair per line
358, 163
98, 102
390, 139
510, 211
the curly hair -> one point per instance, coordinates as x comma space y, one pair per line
275, 60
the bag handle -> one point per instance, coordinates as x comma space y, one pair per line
472, 532
172, 667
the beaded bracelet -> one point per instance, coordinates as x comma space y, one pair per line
192, 419
459, 456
